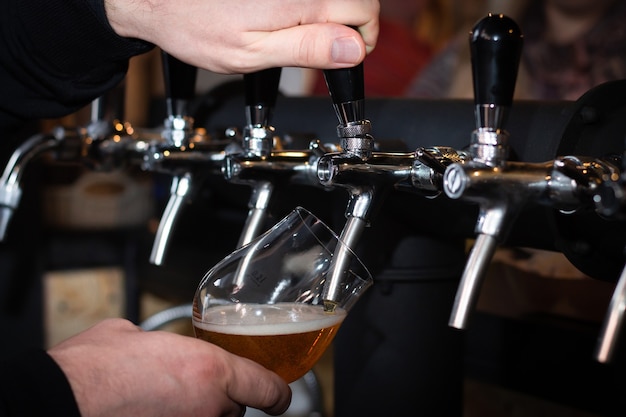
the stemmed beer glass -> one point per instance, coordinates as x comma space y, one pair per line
265, 301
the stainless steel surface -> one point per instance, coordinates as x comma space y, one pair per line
489, 146
350, 111
259, 201
179, 191
489, 115
473, 275
613, 323
350, 236
10, 189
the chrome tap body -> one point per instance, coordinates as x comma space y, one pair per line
260, 162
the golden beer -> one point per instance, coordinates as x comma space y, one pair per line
287, 338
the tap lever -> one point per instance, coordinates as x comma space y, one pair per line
346, 88
347, 91
180, 84
261, 90
496, 47
180, 81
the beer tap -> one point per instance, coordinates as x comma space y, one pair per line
611, 202
180, 79
261, 162
66, 143
500, 187
180, 150
261, 90
366, 174
495, 44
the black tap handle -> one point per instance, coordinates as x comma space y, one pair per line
496, 47
262, 87
345, 84
180, 83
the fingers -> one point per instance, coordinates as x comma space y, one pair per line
360, 14
316, 42
251, 36
322, 46
255, 386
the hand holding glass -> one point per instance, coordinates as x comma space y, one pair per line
265, 300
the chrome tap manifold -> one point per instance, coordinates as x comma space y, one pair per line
186, 153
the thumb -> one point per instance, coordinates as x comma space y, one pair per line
320, 45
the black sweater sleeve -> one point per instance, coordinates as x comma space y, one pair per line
32, 384
56, 56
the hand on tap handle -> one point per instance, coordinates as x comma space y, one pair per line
347, 91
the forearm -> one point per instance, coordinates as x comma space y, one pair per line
32, 384
56, 57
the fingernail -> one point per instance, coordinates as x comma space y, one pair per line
345, 51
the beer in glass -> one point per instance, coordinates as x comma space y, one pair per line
265, 301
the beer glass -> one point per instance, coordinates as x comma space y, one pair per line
265, 300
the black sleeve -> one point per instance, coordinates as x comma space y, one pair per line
32, 384
56, 56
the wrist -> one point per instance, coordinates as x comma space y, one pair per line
122, 17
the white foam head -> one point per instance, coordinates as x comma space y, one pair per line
268, 319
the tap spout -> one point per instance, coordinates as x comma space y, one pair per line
613, 322
471, 280
258, 203
342, 257
180, 189
10, 189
